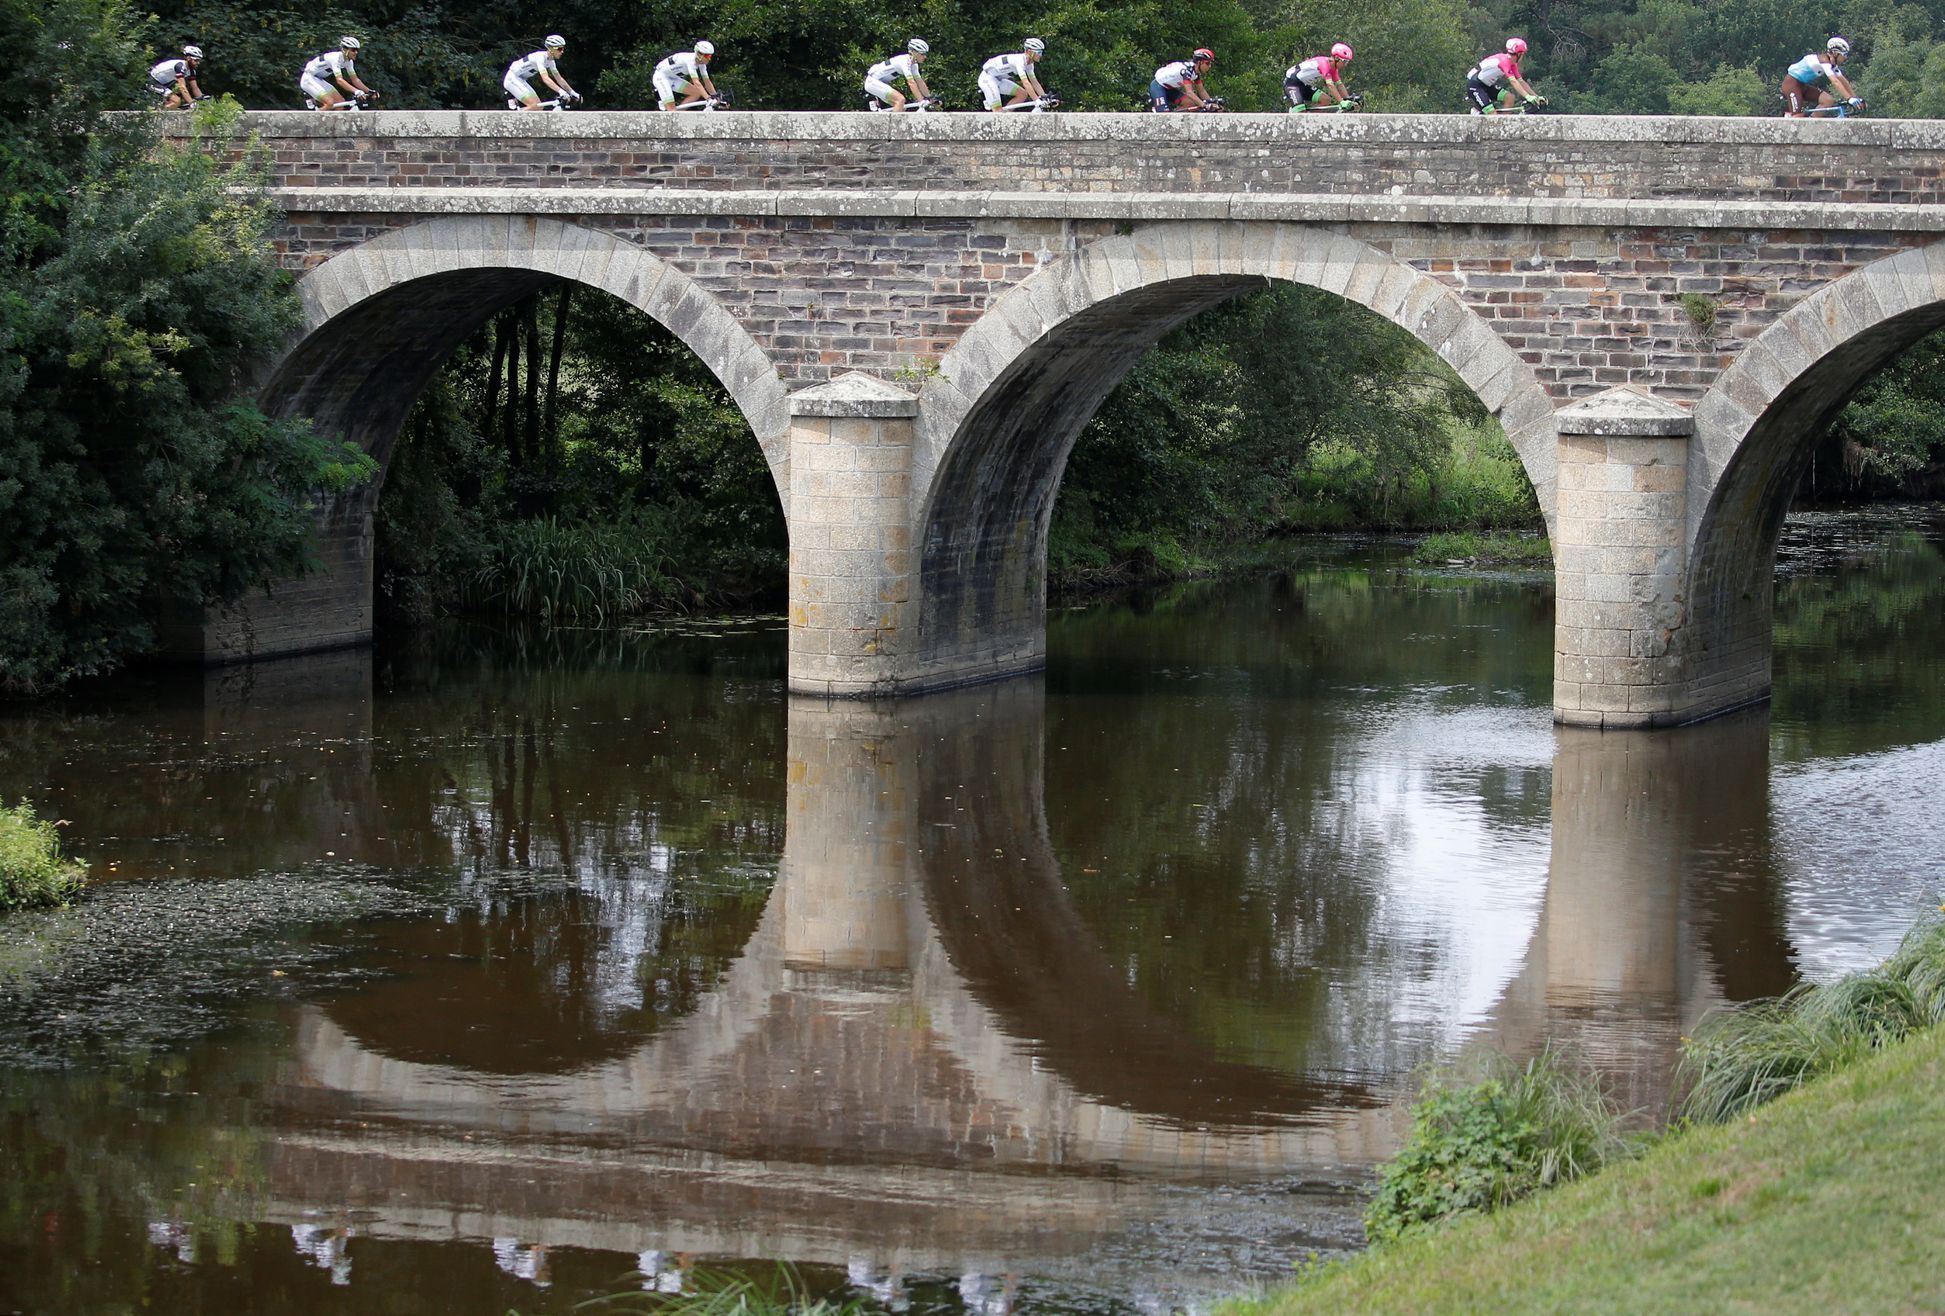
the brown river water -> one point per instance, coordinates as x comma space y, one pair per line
497, 972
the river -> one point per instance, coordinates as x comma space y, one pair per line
494, 972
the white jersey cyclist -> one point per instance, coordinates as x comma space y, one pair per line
682, 70
543, 64
164, 76
1174, 75
879, 77
321, 72
1003, 75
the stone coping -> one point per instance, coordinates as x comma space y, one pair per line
1405, 130
854, 395
1550, 212
1625, 412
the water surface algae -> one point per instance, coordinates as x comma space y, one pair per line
1831, 1199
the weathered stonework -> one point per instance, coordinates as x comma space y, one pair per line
1014, 268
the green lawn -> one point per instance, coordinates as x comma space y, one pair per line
1829, 1200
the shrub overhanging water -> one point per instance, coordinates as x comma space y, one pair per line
33, 872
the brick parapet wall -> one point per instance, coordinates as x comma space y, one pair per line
1770, 161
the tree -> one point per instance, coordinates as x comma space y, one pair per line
137, 285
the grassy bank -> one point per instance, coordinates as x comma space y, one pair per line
1825, 1200
33, 872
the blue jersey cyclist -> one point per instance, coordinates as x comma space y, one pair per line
1818, 80
1177, 88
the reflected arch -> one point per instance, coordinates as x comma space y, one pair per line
1755, 434
995, 428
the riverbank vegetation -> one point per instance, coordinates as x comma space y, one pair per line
1800, 1176
34, 874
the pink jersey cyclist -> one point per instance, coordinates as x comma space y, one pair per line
1319, 74
1497, 73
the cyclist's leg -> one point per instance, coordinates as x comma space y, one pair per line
1159, 99
885, 92
1479, 96
326, 96
522, 92
992, 90
666, 91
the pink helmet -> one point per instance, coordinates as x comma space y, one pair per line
1516, 45
1340, 51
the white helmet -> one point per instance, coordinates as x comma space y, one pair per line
918, 46
192, 52
555, 42
704, 48
349, 43
1035, 46
1837, 46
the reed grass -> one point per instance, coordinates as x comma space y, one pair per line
34, 874
721, 1293
585, 571
1743, 1057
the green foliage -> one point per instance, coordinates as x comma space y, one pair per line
33, 872
1483, 550
1741, 1058
1477, 1146
1701, 311
137, 287
588, 571
1889, 440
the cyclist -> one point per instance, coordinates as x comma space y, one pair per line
335, 65
685, 74
878, 79
1008, 79
543, 64
175, 79
1495, 74
1177, 88
1818, 80
1319, 80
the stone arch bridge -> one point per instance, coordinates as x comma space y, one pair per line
917, 315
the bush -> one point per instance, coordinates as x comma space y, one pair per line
1744, 1057
1479, 1145
33, 873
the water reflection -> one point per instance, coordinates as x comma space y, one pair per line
1084, 993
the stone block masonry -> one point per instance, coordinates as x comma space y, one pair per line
1738, 275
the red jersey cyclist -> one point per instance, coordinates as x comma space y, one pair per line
1319, 80
1495, 75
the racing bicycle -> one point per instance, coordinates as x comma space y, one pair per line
1839, 110
1032, 105
558, 105
926, 106
1345, 106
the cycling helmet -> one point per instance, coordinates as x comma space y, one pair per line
1035, 46
555, 43
918, 47
350, 43
1837, 46
1516, 45
705, 48
1203, 52
1340, 51
192, 52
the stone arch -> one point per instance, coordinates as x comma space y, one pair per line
1754, 433
995, 427
380, 319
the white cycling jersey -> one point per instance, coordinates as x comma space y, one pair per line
898, 66
168, 71
331, 64
682, 66
1008, 68
1312, 72
1177, 74
532, 66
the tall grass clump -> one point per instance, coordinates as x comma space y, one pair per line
716, 1293
1743, 1057
1478, 1145
560, 570
33, 872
